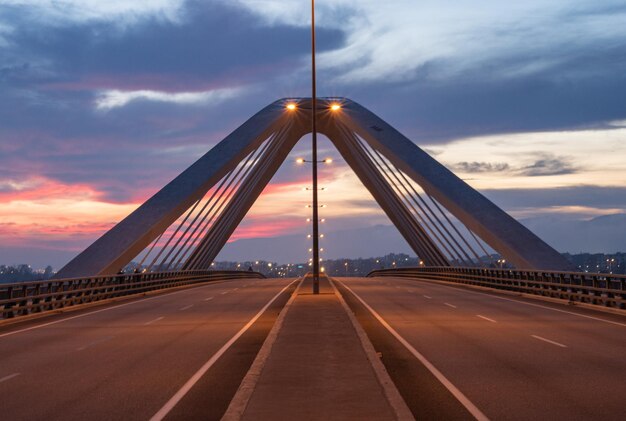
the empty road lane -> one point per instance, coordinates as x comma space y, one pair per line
124, 361
513, 359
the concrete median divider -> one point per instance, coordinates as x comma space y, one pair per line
317, 363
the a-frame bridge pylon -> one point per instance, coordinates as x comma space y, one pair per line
210, 198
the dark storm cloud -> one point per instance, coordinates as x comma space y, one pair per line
214, 41
579, 88
592, 196
548, 166
478, 167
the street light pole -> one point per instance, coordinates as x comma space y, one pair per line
315, 218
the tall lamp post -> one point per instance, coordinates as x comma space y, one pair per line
315, 217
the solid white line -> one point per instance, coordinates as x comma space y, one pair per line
162, 413
549, 341
143, 300
477, 413
9, 377
185, 308
153, 321
530, 304
429, 297
208, 298
450, 305
486, 318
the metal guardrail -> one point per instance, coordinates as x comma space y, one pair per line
19, 299
592, 288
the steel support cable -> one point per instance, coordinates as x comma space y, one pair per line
453, 226
213, 240
219, 202
418, 243
412, 202
191, 209
222, 229
432, 212
420, 239
208, 227
372, 179
199, 244
436, 255
154, 243
480, 244
227, 180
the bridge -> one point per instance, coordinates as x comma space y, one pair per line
455, 338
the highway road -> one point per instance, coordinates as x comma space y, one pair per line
128, 360
510, 358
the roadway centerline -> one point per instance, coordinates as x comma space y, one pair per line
185, 308
9, 377
208, 298
428, 296
178, 396
549, 341
486, 318
449, 305
153, 321
473, 409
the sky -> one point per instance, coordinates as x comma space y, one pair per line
103, 103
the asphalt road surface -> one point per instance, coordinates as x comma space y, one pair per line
125, 360
512, 358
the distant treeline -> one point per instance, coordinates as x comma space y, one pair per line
585, 262
23, 273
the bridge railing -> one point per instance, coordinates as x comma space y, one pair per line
592, 288
19, 299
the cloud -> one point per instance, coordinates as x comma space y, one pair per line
478, 167
114, 98
548, 166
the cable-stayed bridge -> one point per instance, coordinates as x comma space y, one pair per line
454, 338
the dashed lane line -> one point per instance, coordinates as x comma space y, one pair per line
153, 321
450, 305
486, 318
549, 341
9, 377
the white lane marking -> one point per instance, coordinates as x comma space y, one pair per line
531, 304
473, 409
185, 308
225, 292
449, 305
9, 377
96, 342
486, 318
549, 341
428, 296
143, 300
208, 298
153, 321
169, 405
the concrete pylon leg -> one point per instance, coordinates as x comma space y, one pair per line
215, 239
498, 229
124, 241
